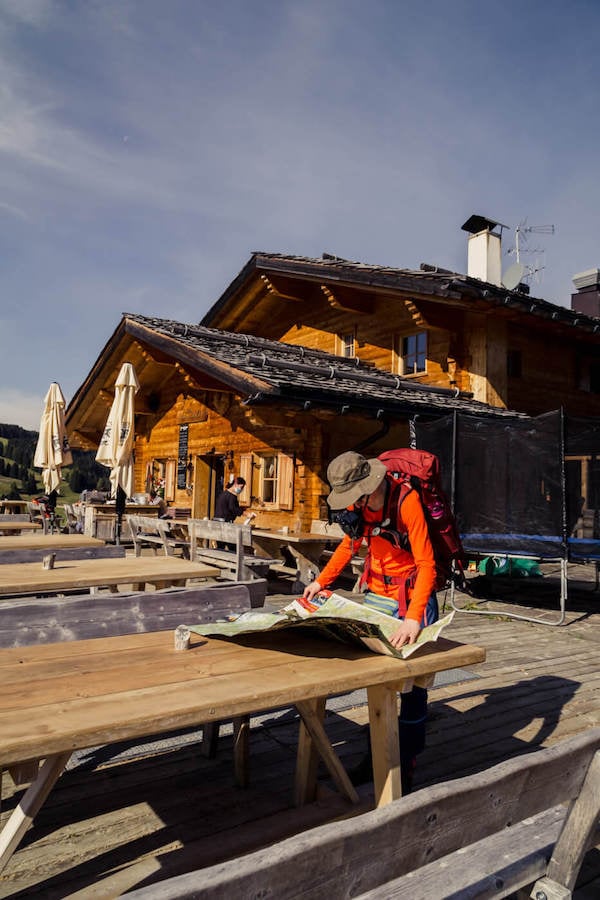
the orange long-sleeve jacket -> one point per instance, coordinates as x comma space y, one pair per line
391, 562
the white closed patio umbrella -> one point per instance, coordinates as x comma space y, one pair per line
116, 444
52, 450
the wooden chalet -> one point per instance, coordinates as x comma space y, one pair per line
213, 403
301, 359
430, 326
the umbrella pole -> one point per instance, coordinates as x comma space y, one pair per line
120, 508
52, 498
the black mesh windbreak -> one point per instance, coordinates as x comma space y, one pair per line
438, 437
508, 477
582, 450
582, 435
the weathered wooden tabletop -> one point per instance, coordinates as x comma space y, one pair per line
48, 541
32, 578
58, 698
13, 527
71, 695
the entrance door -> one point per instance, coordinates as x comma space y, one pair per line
208, 484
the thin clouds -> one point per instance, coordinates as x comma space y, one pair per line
147, 148
21, 408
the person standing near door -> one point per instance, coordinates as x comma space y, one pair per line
227, 506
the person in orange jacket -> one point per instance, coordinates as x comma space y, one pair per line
399, 575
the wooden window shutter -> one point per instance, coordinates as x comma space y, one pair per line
285, 489
170, 473
245, 498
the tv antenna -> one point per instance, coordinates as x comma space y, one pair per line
520, 270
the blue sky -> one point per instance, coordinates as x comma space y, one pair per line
147, 147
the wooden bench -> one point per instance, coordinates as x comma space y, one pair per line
239, 563
157, 533
52, 620
530, 819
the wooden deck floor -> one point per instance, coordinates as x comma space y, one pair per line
125, 816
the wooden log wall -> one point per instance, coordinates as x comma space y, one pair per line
466, 349
378, 333
551, 368
218, 423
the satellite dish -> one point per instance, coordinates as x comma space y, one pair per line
513, 276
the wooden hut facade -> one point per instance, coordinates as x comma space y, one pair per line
212, 404
301, 359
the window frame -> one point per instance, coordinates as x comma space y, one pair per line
402, 354
252, 468
346, 340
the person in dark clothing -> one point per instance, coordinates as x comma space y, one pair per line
227, 506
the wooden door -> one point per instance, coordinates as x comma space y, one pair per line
208, 482
201, 505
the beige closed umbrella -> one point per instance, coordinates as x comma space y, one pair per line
52, 450
116, 444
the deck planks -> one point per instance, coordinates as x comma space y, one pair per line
156, 815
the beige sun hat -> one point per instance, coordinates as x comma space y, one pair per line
350, 476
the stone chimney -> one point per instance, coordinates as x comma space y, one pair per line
587, 298
484, 249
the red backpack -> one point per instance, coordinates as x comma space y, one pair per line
420, 471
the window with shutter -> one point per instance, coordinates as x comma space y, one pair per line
246, 469
285, 496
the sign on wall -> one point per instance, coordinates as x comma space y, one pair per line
182, 457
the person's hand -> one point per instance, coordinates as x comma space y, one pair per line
407, 633
311, 589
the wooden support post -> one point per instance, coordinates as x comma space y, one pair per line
573, 841
239, 557
32, 800
241, 750
312, 740
385, 743
210, 739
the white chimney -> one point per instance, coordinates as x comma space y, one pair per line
484, 249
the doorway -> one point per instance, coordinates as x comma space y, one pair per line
209, 475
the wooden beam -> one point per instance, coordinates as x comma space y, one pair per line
105, 396
415, 313
278, 291
83, 440
348, 300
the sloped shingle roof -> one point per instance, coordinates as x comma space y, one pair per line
431, 280
303, 376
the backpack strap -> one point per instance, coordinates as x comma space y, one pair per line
390, 529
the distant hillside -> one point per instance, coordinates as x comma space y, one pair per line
15, 431
17, 475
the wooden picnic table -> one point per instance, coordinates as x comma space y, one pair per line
305, 547
48, 542
13, 528
13, 506
74, 574
58, 698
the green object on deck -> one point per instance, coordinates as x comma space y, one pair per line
503, 565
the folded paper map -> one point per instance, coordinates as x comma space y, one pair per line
331, 614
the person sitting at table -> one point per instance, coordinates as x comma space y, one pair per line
399, 579
157, 500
